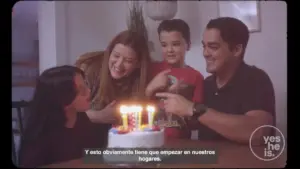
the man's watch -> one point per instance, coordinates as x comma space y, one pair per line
198, 110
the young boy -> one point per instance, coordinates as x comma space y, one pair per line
174, 36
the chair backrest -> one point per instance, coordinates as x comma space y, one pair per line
20, 106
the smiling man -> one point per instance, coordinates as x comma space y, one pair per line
238, 97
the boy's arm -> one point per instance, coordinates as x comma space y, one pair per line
155, 69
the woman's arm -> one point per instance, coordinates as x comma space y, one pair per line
105, 115
95, 116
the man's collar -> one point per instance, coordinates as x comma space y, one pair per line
236, 75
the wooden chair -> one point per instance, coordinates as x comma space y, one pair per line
19, 106
14, 151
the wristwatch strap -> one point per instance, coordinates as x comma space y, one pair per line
198, 110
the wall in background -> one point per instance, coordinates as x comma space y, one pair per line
24, 50
91, 25
24, 44
93, 29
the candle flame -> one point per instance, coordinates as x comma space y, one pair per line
136, 108
124, 109
150, 108
139, 108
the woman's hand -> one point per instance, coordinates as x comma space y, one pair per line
106, 115
109, 113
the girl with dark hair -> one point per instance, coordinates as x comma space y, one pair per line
56, 124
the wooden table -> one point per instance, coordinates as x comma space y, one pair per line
230, 156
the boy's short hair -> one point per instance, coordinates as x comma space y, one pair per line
178, 25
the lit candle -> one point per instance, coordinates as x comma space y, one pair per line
124, 113
150, 111
134, 110
139, 110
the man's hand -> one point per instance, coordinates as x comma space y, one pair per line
176, 104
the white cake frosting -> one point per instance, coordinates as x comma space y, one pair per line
136, 139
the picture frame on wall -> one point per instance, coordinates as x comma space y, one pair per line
246, 11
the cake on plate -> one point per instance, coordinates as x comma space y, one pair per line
133, 133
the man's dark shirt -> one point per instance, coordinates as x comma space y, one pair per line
249, 89
64, 145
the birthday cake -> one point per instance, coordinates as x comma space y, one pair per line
133, 133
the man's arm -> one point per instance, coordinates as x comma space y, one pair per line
259, 107
238, 127
198, 97
259, 110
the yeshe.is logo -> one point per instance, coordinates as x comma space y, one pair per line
273, 144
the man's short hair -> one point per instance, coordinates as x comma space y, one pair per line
232, 31
178, 25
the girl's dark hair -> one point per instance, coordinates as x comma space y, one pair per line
55, 89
